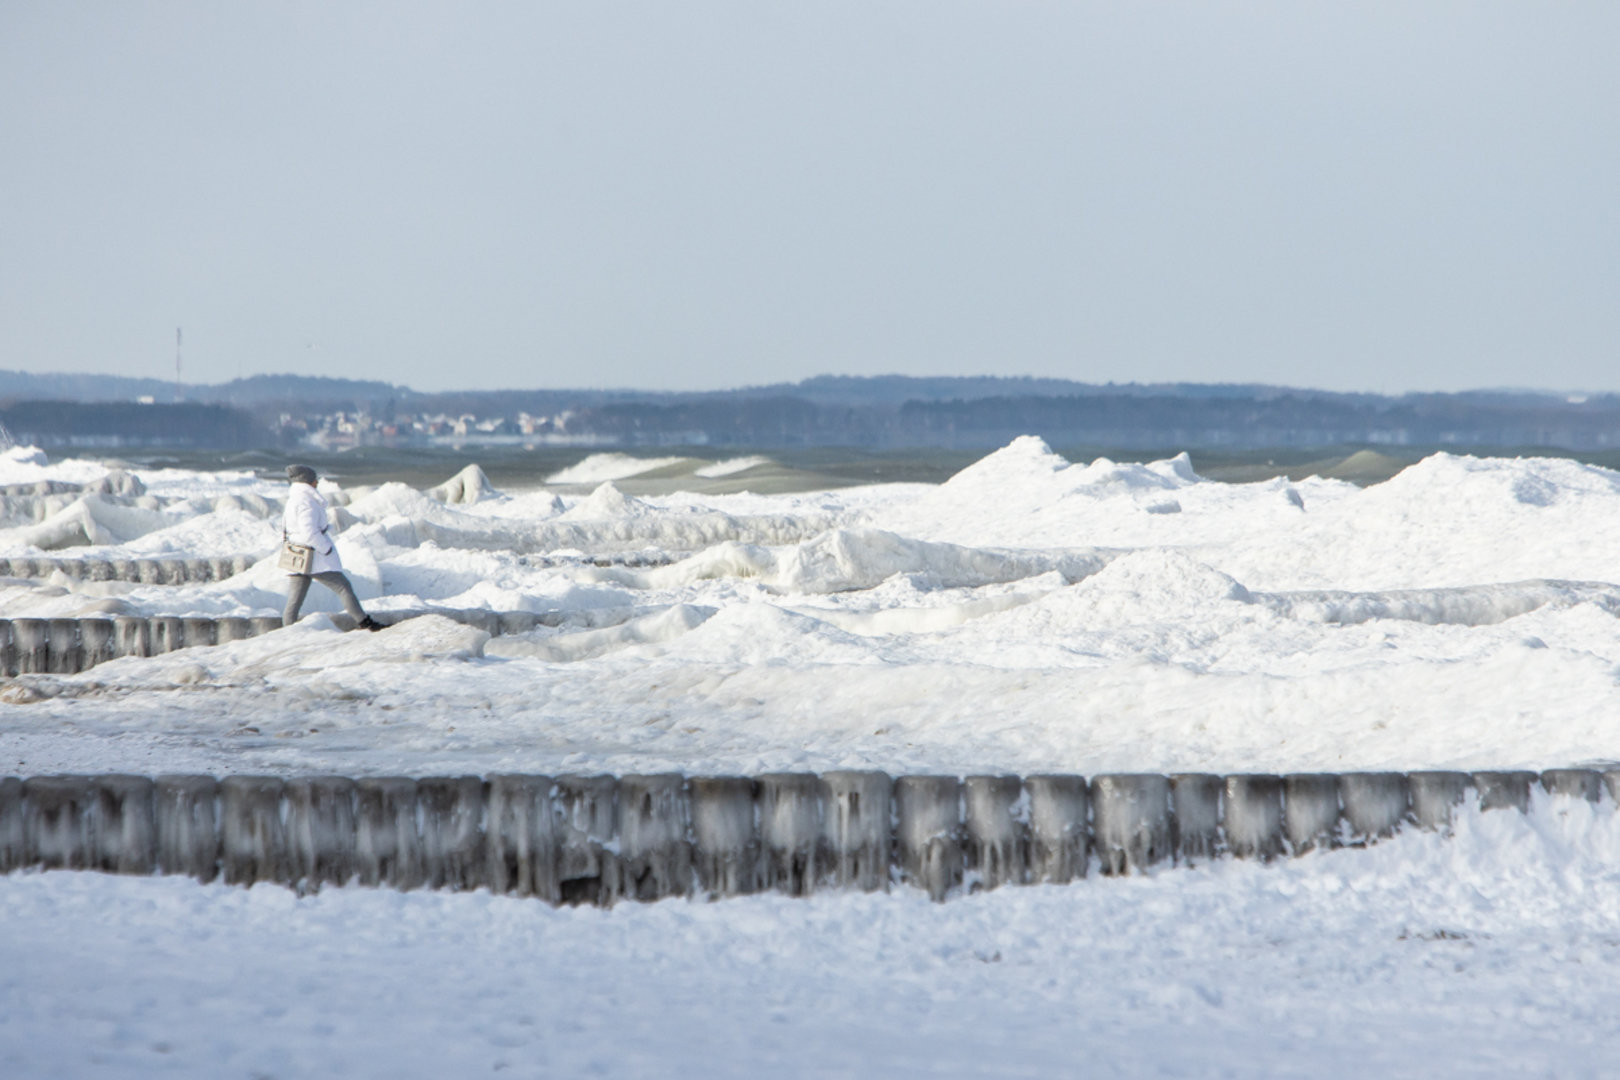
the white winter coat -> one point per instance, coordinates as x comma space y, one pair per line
307, 524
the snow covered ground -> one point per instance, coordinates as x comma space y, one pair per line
1493, 953
1029, 615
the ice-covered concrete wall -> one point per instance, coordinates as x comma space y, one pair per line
69, 646
153, 571
601, 839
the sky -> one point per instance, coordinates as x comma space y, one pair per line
1383, 196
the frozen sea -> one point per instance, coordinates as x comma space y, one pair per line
1025, 613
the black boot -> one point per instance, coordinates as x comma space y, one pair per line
368, 623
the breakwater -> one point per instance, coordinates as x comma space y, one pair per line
70, 646
147, 571
600, 839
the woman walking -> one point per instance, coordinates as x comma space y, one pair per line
307, 525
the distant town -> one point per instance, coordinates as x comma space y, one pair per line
881, 412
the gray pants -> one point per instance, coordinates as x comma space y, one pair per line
332, 579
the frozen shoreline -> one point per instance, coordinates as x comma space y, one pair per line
1028, 616
1492, 953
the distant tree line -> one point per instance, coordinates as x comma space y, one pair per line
884, 411
116, 423
1120, 420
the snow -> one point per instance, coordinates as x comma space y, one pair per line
1029, 615
1490, 953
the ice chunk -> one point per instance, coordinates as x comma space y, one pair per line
1375, 803
928, 833
59, 821
996, 831
725, 835
388, 849
253, 838
654, 818
1573, 783
1436, 795
93, 519
586, 810
520, 836
791, 810
1311, 811
321, 830
1195, 817
1254, 828
125, 832
13, 837
1059, 836
856, 829
1503, 790
450, 816
187, 820
470, 485
1131, 814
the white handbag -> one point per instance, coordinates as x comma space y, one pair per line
295, 558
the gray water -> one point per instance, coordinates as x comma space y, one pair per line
515, 468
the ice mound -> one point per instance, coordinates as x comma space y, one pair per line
22, 455
116, 482
845, 559
661, 626
30, 465
534, 505
1464, 479
603, 467
93, 520
935, 618
759, 634
314, 644
1026, 493
1164, 580
399, 500
227, 529
1155, 587
470, 485
21, 510
1474, 605
248, 502
606, 522
1146, 604
842, 560
607, 501
1032, 469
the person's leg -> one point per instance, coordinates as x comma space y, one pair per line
297, 589
339, 584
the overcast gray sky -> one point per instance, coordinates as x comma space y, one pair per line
1380, 196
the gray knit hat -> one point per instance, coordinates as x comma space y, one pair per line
301, 474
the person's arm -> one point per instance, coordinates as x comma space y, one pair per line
304, 523
323, 525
